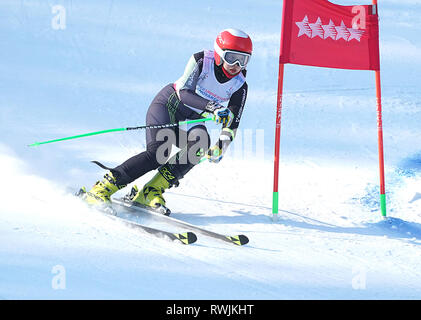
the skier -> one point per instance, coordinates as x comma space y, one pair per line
213, 85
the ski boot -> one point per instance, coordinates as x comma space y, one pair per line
151, 194
101, 192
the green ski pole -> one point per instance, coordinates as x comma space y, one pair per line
168, 125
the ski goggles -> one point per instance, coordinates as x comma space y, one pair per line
233, 57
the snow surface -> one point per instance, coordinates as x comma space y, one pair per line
103, 70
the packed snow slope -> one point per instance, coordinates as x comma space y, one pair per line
102, 69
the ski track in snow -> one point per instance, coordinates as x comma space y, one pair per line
53, 228
329, 241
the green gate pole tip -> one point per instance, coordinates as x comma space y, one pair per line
383, 205
275, 206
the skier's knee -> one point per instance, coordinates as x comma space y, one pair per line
199, 141
158, 153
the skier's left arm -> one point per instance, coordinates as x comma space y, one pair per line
227, 135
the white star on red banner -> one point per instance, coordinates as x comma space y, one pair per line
329, 30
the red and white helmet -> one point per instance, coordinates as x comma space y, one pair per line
234, 47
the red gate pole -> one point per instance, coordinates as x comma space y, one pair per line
275, 199
380, 138
380, 143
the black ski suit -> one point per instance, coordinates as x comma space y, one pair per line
171, 106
